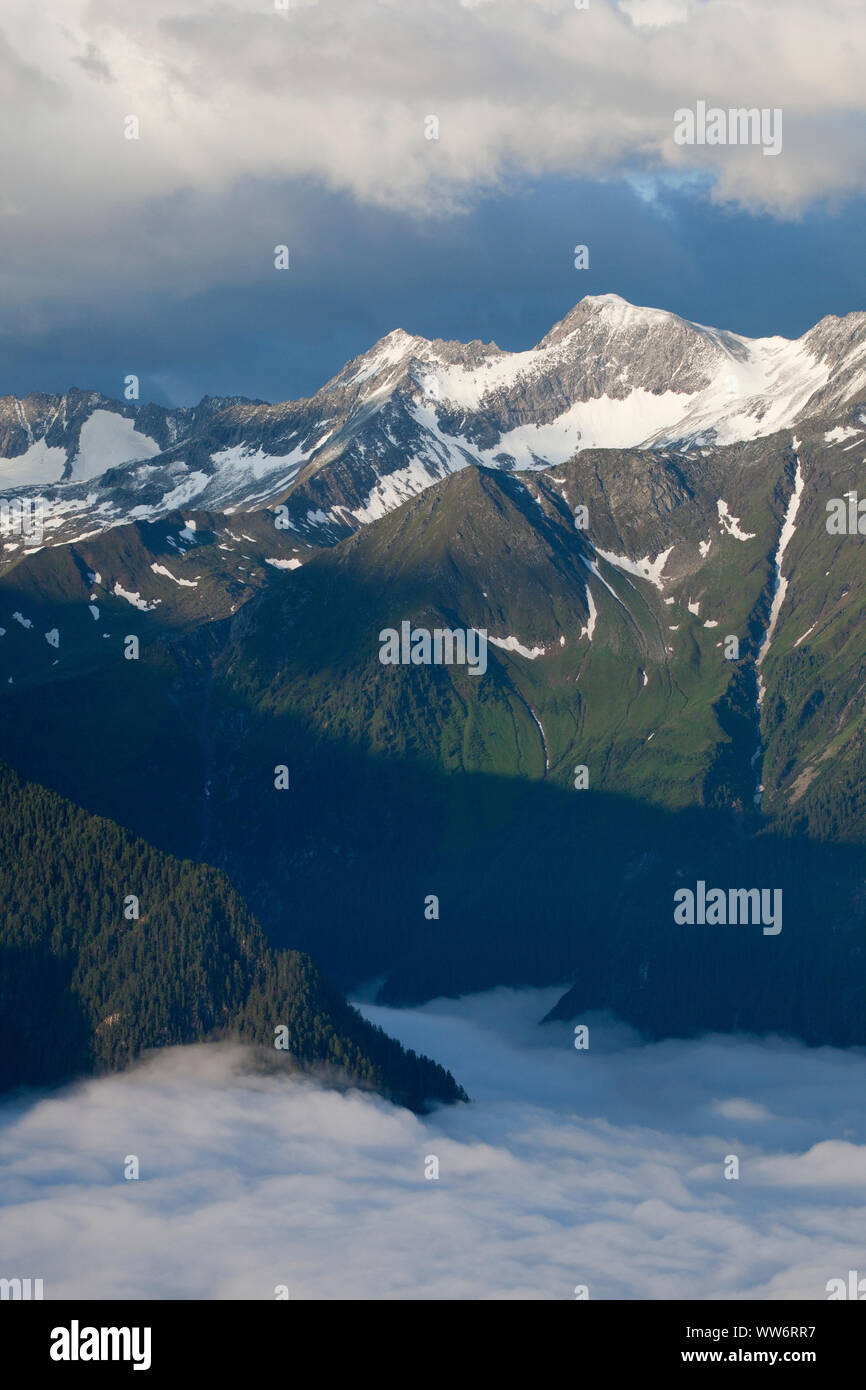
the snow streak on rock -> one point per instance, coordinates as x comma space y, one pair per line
780, 587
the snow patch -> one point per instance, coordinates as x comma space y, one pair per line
731, 524
511, 644
646, 568
240, 458
187, 583
107, 440
589, 628
40, 463
184, 492
135, 599
781, 584
841, 432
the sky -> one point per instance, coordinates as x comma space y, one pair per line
306, 126
600, 1170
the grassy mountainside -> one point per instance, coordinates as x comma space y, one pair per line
408, 782
144, 578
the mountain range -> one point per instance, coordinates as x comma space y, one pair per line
410, 411
635, 512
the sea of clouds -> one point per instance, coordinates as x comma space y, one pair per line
601, 1167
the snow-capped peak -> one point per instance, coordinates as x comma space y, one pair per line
610, 374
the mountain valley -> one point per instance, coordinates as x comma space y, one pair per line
635, 513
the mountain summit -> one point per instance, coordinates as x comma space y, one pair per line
673, 677
412, 410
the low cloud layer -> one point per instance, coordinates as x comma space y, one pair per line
602, 1168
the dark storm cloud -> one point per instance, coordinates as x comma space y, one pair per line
228, 323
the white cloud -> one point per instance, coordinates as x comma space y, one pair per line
257, 126
601, 1167
338, 91
655, 13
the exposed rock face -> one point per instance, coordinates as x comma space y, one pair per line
410, 411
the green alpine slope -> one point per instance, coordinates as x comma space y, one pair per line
445, 831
